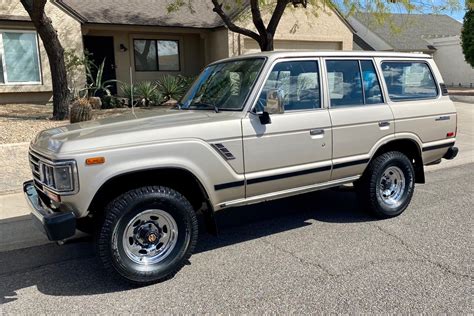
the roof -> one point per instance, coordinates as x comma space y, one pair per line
15, 18
330, 53
145, 13
411, 32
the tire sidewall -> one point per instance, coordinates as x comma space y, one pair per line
393, 159
124, 211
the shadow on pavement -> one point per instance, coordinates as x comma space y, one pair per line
73, 269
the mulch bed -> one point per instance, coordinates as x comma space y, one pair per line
21, 122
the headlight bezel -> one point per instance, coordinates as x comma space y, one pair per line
48, 176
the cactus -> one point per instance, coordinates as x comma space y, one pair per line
81, 110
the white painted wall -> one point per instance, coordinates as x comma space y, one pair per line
451, 63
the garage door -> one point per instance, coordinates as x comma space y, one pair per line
251, 46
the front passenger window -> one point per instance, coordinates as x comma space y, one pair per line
299, 83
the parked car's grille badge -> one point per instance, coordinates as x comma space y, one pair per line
223, 151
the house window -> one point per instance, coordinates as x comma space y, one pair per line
156, 55
19, 58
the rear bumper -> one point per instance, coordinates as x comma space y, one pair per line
56, 225
451, 153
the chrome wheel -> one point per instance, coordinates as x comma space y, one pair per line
149, 237
392, 186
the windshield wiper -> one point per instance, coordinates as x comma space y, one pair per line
206, 105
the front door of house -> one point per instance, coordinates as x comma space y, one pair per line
101, 49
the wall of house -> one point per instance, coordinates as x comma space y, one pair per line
451, 63
218, 47
69, 32
304, 28
191, 47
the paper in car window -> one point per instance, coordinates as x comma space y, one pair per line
336, 85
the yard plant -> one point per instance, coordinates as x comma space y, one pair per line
467, 35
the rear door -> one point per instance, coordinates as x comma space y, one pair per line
418, 105
360, 116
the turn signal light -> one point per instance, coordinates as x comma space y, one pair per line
95, 161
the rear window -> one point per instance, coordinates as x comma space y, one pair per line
409, 81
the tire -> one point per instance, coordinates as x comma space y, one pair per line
387, 186
148, 235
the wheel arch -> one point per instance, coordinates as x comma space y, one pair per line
179, 179
411, 148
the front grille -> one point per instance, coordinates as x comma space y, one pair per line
35, 167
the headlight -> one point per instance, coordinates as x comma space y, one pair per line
59, 177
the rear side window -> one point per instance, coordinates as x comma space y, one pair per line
409, 81
353, 83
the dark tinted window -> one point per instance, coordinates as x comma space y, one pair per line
409, 80
372, 91
344, 81
298, 82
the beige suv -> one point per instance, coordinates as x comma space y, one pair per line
250, 129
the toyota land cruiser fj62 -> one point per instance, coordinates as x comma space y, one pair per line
250, 129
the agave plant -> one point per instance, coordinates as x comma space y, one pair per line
148, 92
96, 83
171, 87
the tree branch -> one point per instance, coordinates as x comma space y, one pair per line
257, 18
228, 22
276, 16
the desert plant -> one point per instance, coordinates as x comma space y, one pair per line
129, 92
81, 110
171, 87
95, 78
148, 93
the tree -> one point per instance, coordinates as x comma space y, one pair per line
265, 34
467, 35
55, 52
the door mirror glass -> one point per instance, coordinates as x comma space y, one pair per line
274, 104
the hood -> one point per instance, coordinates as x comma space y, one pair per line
144, 127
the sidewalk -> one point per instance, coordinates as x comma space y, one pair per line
17, 230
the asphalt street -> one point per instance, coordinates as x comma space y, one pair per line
309, 254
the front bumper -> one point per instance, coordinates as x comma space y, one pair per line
56, 225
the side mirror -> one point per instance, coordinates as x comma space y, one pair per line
274, 103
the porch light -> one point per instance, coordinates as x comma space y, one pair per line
123, 48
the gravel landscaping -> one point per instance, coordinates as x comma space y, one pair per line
21, 122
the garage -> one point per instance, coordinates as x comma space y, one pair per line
251, 46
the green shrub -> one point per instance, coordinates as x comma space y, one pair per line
172, 87
148, 93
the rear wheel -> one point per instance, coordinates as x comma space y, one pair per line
148, 234
387, 186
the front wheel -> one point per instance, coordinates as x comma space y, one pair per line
387, 186
148, 234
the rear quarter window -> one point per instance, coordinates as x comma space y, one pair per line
409, 80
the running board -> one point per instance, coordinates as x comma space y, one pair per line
286, 193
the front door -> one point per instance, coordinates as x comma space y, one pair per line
294, 150
360, 116
101, 49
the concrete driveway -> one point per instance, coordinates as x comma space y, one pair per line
310, 254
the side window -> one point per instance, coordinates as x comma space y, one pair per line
409, 81
344, 81
372, 91
299, 83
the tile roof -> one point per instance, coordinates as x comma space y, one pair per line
145, 12
412, 31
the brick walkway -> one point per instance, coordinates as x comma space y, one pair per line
15, 169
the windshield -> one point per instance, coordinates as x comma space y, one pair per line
223, 86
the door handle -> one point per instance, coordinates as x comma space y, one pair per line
384, 124
443, 118
316, 132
